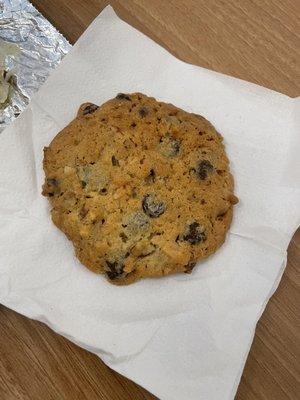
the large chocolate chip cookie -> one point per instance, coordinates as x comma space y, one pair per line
142, 188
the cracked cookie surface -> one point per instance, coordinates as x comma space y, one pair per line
141, 188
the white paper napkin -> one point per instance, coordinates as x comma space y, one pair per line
184, 337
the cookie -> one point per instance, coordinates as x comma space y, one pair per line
141, 188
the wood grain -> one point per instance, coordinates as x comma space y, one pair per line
256, 40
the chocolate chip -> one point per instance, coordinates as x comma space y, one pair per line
143, 111
122, 96
103, 191
115, 162
151, 177
83, 184
189, 267
151, 207
123, 237
195, 234
114, 270
90, 109
203, 169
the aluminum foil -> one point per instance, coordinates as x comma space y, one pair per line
42, 48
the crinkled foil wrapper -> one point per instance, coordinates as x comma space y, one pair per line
42, 49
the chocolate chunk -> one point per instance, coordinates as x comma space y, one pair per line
189, 267
203, 169
90, 109
114, 270
195, 234
143, 111
122, 96
151, 207
115, 162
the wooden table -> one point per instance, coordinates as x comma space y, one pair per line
256, 40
